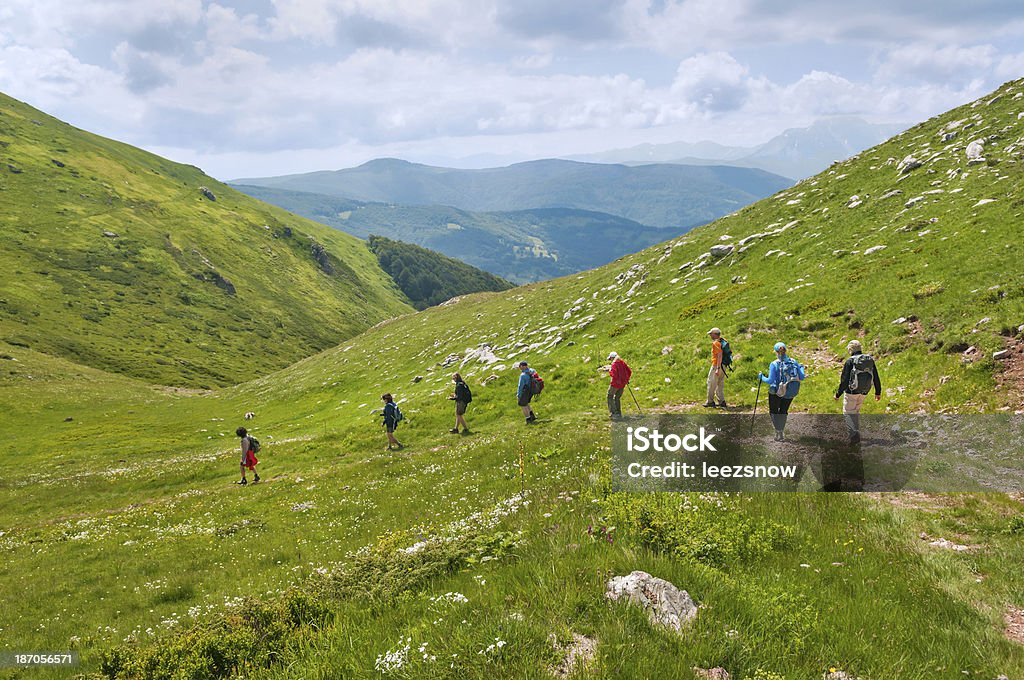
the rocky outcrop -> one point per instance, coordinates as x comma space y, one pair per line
666, 605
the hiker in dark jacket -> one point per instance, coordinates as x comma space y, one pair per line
859, 375
391, 420
784, 378
461, 396
249, 459
524, 393
620, 373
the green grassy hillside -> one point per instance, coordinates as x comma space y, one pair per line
482, 555
661, 195
522, 246
115, 258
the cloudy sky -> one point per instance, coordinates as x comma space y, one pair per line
263, 87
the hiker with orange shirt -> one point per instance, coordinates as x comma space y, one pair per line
716, 376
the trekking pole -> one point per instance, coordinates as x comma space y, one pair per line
634, 399
756, 397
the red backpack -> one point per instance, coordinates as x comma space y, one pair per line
536, 383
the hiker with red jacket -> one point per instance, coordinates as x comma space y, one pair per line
620, 374
249, 448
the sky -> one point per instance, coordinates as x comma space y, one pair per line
269, 87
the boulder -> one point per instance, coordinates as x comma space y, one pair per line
482, 354
207, 193
975, 150
1001, 354
854, 201
489, 379
450, 359
874, 249
890, 194
721, 250
666, 350
417, 379
666, 605
56, 162
907, 164
914, 201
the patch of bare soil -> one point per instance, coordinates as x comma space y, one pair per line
1009, 374
1015, 625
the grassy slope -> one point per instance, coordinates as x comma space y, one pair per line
522, 245
661, 195
137, 482
131, 304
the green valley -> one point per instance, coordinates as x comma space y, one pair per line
488, 555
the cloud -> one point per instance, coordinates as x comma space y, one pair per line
594, 20
713, 81
950, 64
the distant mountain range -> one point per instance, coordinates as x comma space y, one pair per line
521, 246
796, 153
660, 195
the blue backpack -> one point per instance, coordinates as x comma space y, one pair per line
726, 354
790, 376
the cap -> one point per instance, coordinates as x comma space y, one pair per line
523, 363
780, 347
715, 331
613, 355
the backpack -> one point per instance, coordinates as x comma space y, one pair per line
789, 379
254, 444
726, 354
536, 383
862, 373
462, 393
399, 416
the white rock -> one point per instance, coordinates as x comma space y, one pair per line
721, 250
874, 249
890, 194
854, 201
914, 201
1001, 354
666, 605
907, 164
984, 201
975, 149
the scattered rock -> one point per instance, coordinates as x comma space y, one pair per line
666, 350
914, 201
721, 250
874, 249
56, 162
975, 151
489, 379
579, 654
1001, 354
907, 164
68, 419
482, 354
451, 359
982, 322
949, 136
890, 194
900, 320
717, 673
417, 379
206, 192
984, 201
14, 168
945, 543
666, 605
1015, 625
109, 234
249, 415
838, 675
323, 259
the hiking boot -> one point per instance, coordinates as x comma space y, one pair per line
465, 430
454, 430
256, 479
778, 436
241, 482
723, 405
710, 404
855, 439
531, 418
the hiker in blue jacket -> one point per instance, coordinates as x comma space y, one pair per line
784, 378
525, 391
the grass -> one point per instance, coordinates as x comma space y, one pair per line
132, 496
114, 258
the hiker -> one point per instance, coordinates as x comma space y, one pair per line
526, 390
461, 396
620, 373
784, 378
721, 356
392, 416
250, 446
859, 375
